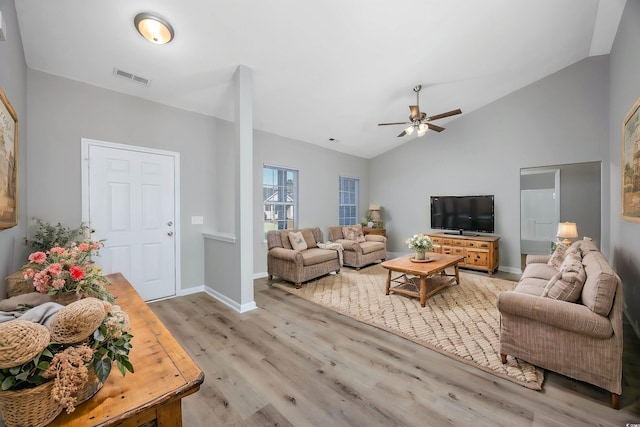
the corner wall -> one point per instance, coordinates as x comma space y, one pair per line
625, 90
13, 80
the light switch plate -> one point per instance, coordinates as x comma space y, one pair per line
3, 29
196, 220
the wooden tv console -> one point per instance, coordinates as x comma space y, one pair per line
479, 252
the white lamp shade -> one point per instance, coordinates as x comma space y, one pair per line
566, 231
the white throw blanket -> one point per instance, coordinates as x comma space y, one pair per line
335, 246
42, 314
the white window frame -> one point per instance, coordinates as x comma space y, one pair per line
270, 215
348, 199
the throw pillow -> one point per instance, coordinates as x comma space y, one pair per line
297, 241
550, 284
567, 284
558, 256
353, 232
308, 237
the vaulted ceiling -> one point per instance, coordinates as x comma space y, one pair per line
321, 70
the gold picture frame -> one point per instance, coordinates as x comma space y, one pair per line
631, 165
8, 164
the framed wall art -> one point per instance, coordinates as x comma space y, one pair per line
8, 163
631, 164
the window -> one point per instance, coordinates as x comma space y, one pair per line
280, 196
348, 208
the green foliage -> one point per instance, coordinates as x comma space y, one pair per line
28, 374
109, 348
47, 236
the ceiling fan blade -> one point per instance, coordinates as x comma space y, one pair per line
447, 114
403, 133
434, 127
415, 112
398, 123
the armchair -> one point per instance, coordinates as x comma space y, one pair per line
360, 250
299, 266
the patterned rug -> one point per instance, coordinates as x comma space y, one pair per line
460, 321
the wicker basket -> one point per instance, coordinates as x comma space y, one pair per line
90, 388
66, 298
32, 407
17, 285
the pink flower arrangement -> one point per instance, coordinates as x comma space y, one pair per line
66, 270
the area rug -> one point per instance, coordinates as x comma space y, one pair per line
461, 321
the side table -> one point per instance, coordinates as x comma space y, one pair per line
378, 231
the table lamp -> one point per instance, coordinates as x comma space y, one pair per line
374, 211
566, 231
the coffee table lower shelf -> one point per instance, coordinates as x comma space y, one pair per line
410, 286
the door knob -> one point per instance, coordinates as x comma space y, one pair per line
170, 233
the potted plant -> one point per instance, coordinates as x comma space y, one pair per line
67, 272
420, 243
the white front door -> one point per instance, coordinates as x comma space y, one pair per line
131, 205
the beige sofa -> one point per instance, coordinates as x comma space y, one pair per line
299, 266
575, 329
359, 250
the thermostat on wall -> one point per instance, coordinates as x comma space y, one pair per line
3, 28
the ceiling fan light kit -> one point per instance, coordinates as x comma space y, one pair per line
419, 120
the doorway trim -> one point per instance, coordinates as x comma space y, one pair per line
85, 143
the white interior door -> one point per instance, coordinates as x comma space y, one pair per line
131, 204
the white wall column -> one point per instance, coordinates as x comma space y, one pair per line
244, 181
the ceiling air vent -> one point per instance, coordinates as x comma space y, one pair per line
130, 76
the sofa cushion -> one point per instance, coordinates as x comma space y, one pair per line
532, 285
315, 256
368, 247
307, 234
353, 232
558, 256
297, 241
601, 284
539, 271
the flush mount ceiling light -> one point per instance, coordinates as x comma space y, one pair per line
153, 28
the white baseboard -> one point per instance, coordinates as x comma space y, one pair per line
190, 291
259, 275
513, 270
240, 308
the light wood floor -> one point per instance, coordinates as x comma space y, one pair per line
293, 363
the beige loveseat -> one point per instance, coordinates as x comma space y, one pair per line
299, 266
359, 250
567, 317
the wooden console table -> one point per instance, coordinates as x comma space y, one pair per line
479, 252
164, 374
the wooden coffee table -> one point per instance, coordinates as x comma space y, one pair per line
429, 277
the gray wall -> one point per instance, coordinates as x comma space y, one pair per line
625, 90
559, 119
62, 111
318, 172
580, 198
13, 80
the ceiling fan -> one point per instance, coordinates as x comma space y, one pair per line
419, 121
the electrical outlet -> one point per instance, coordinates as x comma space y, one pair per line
197, 220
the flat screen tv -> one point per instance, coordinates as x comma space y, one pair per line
462, 213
